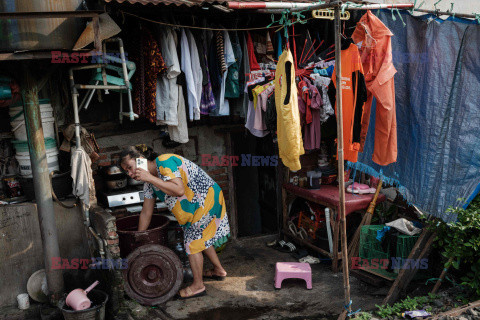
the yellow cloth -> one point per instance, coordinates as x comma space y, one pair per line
289, 132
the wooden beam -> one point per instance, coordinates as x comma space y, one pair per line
37, 55
420, 250
458, 311
52, 14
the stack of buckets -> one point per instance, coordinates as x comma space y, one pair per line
17, 121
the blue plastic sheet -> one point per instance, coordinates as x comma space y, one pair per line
437, 90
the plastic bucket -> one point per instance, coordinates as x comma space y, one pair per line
95, 312
23, 156
17, 120
130, 239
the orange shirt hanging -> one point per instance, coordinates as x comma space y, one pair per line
354, 95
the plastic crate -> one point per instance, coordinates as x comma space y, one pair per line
371, 248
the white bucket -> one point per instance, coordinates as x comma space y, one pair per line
18, 120
23, 157
23, 301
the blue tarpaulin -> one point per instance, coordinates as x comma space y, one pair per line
437, 89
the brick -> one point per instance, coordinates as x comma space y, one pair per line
112, 234
220, 177
109, 149
217, 171
112, 241
223, 185
114, 249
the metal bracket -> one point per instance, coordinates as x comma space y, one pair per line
328, 14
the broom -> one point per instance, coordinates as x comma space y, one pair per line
367, 218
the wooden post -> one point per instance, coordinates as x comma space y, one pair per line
341, 173
442, 276
232, 199
96, 34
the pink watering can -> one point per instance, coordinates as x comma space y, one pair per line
78, 300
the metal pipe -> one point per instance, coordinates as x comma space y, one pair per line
88, 97
74, 92
125, 78
447, 13
268, 5
42, 186
100, 242
272, 9
92, 86
329, 229
341, 171
91, 66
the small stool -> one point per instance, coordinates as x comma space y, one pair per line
292, 270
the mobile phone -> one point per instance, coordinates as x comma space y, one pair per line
142, 163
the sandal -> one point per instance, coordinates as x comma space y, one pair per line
310, 260
210, 275
190, 294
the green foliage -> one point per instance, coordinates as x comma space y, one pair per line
363, 316
408, 304
461, 241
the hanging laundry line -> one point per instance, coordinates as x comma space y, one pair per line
193, 27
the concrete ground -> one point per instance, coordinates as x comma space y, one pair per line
248, 291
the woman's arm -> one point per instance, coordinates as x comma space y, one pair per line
173, 187
146, 214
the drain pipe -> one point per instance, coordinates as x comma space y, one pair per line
100, 242
42, 186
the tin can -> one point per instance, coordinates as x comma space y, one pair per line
13, 188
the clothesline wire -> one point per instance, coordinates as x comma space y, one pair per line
192, 27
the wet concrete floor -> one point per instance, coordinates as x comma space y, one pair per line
248, 291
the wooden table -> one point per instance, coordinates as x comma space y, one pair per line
327, 196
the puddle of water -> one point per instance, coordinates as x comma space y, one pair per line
230, 313
245, 313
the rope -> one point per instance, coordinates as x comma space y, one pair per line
400, 15
192, 27
351, 313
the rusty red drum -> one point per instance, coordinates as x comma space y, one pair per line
130, 238
154, 274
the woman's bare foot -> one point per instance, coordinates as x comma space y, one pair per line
216, 274
192, 291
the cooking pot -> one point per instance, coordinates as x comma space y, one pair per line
117, 184
133, 182
115, 178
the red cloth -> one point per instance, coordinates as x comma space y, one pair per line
251, 54
15, 95
305, 95
376, 54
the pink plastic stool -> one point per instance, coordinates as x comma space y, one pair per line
293, 270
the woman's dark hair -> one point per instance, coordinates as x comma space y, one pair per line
134, 152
